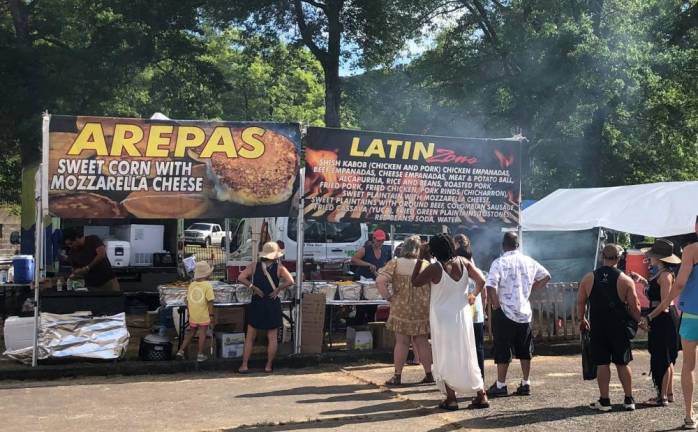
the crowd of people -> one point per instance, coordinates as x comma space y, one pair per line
614, 313
439, 295
438, 301
442, 303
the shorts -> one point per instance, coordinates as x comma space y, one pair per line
194, 325
608, 346
689, 327
510, 336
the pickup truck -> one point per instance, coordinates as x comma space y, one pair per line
204, 234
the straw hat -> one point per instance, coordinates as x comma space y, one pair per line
271, 251
663, 250
202, 270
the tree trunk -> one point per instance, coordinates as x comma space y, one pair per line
333, 95
333, 88
28, 130
593, 172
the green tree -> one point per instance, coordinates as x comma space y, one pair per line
602, 89
266, 79
132, 58
78, 56
366, 32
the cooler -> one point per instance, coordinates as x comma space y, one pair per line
23, 266
635, 261
118, 252
18, 332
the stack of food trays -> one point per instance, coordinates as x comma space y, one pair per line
225, 293
329, 289
369, 290
349, 290
243, 294
174, 294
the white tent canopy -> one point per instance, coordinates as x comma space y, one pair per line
654, 210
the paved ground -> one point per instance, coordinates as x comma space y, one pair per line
344, 399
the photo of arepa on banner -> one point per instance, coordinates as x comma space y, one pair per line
388, 177
106, 168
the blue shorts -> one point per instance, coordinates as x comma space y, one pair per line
689, 327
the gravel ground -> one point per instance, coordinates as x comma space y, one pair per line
344, 398
559, 402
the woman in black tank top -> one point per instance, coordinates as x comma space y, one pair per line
663, 340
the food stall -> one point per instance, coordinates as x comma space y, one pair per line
118, 168
385, 178
112, 168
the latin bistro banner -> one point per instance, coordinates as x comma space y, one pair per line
378, 176
101, 167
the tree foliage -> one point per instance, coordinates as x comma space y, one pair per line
367, 33
604, 90
601, 89
136, 57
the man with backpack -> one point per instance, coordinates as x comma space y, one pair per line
614, 311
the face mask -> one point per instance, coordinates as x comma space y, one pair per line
654, 270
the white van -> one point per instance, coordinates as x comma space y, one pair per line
324, 241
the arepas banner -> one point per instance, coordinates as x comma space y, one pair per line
385, 177
103, 167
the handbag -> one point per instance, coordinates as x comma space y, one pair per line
588, 365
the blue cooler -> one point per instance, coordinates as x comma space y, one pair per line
24, 268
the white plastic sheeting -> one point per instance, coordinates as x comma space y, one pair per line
654, 210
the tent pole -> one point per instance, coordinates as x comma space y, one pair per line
392, 240
300, 243
40, 199
228, 237
38, 236
598, 246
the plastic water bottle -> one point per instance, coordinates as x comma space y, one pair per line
59, 284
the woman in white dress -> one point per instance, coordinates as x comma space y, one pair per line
455, 366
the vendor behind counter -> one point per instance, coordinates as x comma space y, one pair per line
87, 256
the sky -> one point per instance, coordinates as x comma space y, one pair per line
413, 48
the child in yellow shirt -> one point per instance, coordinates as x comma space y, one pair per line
200, 309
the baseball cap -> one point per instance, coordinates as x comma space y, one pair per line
379, 235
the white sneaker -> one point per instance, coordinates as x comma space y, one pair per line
601, 405
201, 357
689, 423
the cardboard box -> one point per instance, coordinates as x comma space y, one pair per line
231, 351
359, 338
383, 339
312, 323
152, 318
223, 339
229, 319
229, 345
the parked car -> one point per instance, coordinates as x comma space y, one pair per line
324, 241
204, 234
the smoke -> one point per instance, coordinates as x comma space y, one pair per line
568, 255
